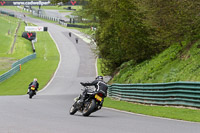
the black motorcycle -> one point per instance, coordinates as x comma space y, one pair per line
93, 102
32, 91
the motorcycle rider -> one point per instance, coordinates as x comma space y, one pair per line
35, 83
100, 86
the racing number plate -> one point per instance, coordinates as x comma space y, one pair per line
98, 97
32, 88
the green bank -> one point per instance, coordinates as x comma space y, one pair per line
43, 67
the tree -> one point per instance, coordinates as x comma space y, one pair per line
173, 20
137, 30
121, 35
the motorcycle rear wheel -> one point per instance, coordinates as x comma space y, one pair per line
31, 93
89, 108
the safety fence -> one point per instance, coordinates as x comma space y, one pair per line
24, 60
48, 17
7, 13
175, 93
10, 73
16, 67
39, 13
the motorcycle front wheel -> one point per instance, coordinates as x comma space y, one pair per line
89, 107
72, 110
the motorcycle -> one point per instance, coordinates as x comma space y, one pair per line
32, 91
93, 102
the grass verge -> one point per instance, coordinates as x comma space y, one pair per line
159, 111
185, 114
21, 49
174, 64
43, 68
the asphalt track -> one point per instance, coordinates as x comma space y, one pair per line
57, 14
48, 111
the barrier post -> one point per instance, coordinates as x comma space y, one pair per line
20, 67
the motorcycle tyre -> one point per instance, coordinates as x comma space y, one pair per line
31, 93
91, 108
72, 110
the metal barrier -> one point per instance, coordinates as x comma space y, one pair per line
10, 73
7, 13
24, 60
16, 67
174, 93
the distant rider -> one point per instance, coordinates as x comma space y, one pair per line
100, 86
35, 83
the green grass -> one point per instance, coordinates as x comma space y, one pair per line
63, 11
99, 67
6, 57
162, 65
21, 44
43, 68
7, 23
174, 64
58, 7
159, 111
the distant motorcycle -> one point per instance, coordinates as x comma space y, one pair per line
92, 103
32, 91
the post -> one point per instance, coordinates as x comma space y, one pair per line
70, 20
20, 67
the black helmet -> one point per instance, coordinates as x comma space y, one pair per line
99, 78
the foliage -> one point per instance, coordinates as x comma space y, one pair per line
121, 34
174, 20
138, 30
169, 66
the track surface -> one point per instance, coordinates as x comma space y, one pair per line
47, 112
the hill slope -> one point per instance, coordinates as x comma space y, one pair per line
174, 64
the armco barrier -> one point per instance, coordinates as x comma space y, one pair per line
78, 26
10, 73
24, 60
7, 13
174, 93
16, 67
